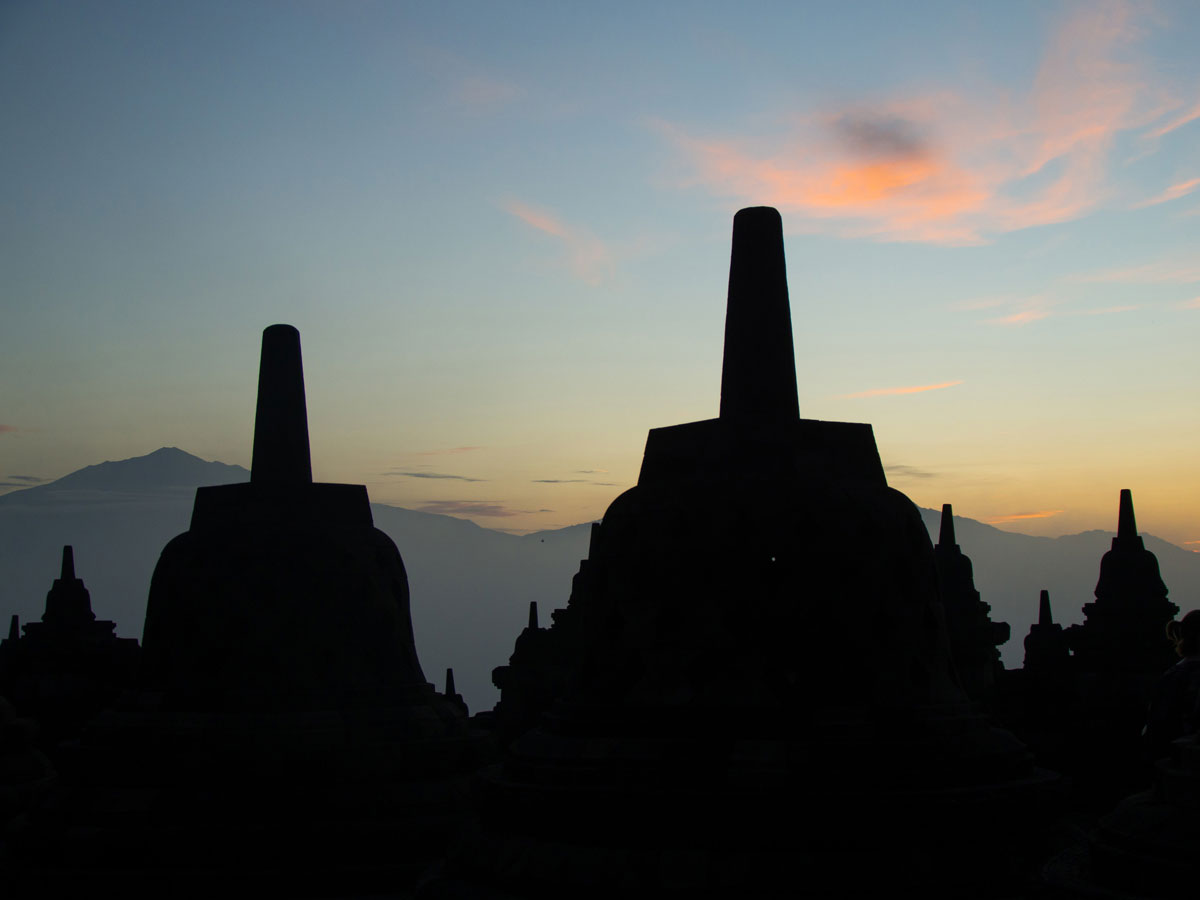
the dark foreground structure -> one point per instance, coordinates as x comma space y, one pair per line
755, 690
283, 738
65, 669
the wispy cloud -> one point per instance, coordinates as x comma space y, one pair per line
1021, 317
1165, 271
7, 429
432, 475
1026, 310
468, 508
486, 93
448, 451
27, 479
591, 471
908, 472
1177, 121
912, 389
1015, 517
590, 259
1194, 303
946, 167
572, 481
1174, 192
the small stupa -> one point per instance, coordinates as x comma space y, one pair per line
974, 637
64, 669
1124, 628
1046, 650
757, 695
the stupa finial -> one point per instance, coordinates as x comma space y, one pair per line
450, 692
1126, 524
946, 535
281, 454
533, 617
758, 377
68, 563
1044, 615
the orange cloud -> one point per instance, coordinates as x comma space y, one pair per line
1174, 192
946, 168
915, 389
1043, 514
589, 258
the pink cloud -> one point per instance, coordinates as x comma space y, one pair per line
6, 429
1024, 317
944, 167
914, 389
589, 257
1174, 192
1178, 121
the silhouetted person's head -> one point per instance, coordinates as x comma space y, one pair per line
1185, 634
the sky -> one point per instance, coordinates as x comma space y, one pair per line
503, 232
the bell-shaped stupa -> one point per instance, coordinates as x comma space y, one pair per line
756, 692
282, 594
1124, 629
284, 733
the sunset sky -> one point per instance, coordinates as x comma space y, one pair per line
503, 232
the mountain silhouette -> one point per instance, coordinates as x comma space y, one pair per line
471, 586
165, 469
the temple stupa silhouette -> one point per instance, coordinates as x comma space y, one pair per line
1124, 628
756, 688
67, 667
284, 733
974, 637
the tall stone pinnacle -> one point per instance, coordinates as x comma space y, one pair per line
68, 564
281, 454
1044, 615
946, 535
1126, 524
758, 378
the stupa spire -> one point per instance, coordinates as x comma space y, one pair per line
450, 691
533, 616
68, 564
1044, 615
1126, 524
758, 377
946, 535
281, 454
